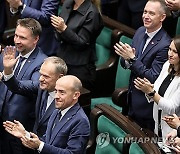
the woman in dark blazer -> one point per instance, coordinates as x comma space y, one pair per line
77, 28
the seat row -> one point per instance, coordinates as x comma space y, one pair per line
112, 132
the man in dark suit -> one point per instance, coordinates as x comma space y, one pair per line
23, 64
68, 128
51, 70
40, 10
145, 59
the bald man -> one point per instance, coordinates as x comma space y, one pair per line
68, 128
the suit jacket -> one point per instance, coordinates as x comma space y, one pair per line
41, 10
170, 103
42, 121
20, 87
83, 27
149, 66
70, 135
18, 106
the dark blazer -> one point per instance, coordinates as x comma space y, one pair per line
18, 106
149, 66
19, 87
70, 135
83, 27
42, 121
41, 10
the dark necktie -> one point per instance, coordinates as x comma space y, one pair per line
44, 103
57, 119
142, 45
16, 72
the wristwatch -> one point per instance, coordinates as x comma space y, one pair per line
131, 60
151, 94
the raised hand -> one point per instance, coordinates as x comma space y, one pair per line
15, 128
9, 59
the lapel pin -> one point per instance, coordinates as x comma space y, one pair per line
152, 43
29, 61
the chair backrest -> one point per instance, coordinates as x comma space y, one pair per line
178, 27
109, 132
103, 46
106, 64
122, 75
109, 128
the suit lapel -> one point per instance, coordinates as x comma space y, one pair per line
67, 10
38, 102
28, 2
41, 105
48, 113
154, 41
50, 124
140, 40
28, 63
67, 117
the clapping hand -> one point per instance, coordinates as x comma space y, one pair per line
124, 50
32, 143
15, 128
173, 121
173, 4
144, 85
58, 23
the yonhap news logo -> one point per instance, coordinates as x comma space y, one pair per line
104, 139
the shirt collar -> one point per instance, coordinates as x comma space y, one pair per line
63, 112
26, 55
152, 34
52, 94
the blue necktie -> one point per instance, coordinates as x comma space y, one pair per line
57, 119
44, 103
140, 51
16, 72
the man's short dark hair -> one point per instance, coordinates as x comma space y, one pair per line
31, 24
